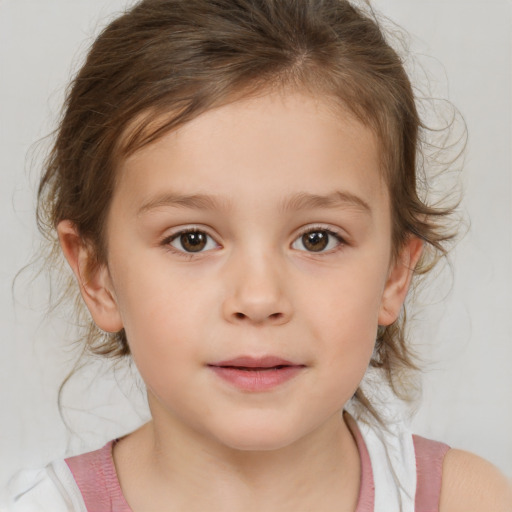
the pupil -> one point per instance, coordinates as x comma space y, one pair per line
315, 241
193, 242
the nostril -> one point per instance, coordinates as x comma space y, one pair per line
273, 316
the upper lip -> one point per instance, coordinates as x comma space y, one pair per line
255, 362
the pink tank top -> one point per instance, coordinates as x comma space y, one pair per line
96, 477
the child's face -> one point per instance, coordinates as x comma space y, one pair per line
290, 258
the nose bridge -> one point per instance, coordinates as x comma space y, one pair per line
256, 286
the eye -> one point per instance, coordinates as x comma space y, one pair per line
318, 240
192, 241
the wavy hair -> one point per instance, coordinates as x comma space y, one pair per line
164, 62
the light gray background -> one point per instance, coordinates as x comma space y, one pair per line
465, 49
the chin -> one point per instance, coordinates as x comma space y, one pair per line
258, 435
254, 443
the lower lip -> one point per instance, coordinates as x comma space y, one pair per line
257, 380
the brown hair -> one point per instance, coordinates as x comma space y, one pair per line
164, 62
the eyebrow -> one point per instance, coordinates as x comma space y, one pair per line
298, 201
338, 199
193, 201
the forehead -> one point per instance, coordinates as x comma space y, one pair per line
271, 145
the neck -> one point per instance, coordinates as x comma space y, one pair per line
183, 467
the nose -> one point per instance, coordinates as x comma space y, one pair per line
256, 293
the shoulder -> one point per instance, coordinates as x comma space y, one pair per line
471, 484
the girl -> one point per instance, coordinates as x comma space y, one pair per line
233, 185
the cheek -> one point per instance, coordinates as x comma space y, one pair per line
151, 293
163, 344
344, 320
346, 304
159, 310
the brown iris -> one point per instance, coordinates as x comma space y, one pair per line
315, 241
194, 241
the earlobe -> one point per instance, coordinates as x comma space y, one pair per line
399, 280
93, 278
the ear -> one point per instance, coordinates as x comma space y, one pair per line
399, 279
93, 278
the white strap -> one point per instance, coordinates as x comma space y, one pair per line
52, 489
394, 467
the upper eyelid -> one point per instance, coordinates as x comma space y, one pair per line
305, 229
189, 229
194, 229
320, 227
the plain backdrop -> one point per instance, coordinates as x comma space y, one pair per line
464, 330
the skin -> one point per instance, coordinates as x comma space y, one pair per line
254, 289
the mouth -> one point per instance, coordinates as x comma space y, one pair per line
256, 374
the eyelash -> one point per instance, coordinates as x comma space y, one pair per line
341, 242
184, 254
314, 229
